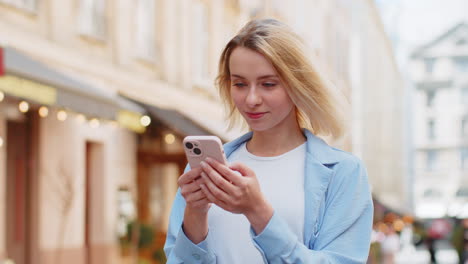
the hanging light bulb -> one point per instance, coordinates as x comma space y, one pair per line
43, 111
169, 138
62, 115
145, 120
80, 118
94, 123
23, 106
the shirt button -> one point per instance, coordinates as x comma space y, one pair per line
196, 256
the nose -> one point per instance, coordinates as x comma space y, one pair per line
253, 97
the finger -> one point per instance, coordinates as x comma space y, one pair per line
225, 171
191, 187
195, 196
216, 178
212, 198
216, 192
242, 169
201, 202
189, 176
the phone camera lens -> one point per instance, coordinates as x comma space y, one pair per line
189, 145
197, 151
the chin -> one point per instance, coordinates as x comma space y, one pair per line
258, 128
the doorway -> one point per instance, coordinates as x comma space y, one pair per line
18, 190
94, 205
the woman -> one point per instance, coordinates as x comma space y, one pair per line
287, 196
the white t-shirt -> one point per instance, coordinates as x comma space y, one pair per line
281, 180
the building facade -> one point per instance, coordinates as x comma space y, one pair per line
439, 70
159, 58
84, 161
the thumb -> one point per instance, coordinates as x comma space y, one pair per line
242, 169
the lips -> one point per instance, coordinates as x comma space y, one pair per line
255, 115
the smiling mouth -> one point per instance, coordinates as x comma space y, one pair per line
255, 115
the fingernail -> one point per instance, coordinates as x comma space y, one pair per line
208, 159
203, 164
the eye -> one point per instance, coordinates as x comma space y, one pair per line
269, 84
239, 84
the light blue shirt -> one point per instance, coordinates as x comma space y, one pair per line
338, 215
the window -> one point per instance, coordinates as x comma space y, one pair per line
92, 18
29, 5
461, 41
431, 129
432, 194
126, 210
200, 45
464, 95
462, 64
431, 160
429, 64
462, 192
464, 127
145, 20
430, 95
464, 158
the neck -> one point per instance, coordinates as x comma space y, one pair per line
274, 143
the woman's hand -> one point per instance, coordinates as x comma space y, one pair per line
197, 205
236, 189
189, 184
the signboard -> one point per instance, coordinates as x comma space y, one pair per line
130, 120
28, 89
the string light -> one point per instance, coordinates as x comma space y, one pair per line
80, 118
2, 96
94, 123
145, 120
61, 115
169, 138
23, 106
43, 111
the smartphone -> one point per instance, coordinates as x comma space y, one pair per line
198, 148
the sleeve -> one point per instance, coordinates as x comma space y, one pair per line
178, 248
343, 234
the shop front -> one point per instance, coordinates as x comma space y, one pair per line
66, 149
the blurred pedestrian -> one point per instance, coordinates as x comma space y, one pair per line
390, 245
457, 239
287, 196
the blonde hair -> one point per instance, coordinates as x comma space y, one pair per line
316, 99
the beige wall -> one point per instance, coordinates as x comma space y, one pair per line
380, 112
62, 162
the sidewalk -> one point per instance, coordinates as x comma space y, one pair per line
421, 255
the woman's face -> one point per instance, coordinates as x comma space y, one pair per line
258, 92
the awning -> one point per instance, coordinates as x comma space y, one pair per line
176, 121
24, 77
206, 114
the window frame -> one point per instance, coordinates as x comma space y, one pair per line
92, 19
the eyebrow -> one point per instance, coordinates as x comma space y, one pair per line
261, 77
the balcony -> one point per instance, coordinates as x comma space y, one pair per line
434, 83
